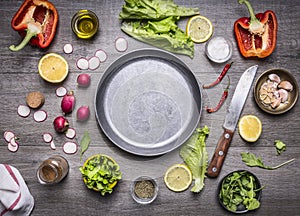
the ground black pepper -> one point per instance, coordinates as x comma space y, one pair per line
144, 189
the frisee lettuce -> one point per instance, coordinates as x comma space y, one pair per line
154, 9
194, 154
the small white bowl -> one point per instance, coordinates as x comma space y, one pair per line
218, 49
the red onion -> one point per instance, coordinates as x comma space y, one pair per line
84, 80
68, 102
60, 124
83, 113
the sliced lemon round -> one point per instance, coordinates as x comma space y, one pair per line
250, 128
178, 177
53, 68
199, 28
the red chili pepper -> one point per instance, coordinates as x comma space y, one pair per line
36, 21
256, 35
221, 101
220, 77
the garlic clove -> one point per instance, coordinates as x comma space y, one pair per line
285, 85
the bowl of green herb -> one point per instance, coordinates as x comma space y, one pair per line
101, 173
240, 191
144, 190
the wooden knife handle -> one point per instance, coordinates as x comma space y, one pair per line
218, 158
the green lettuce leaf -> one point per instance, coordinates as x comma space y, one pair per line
194, 154
154, 9
163, 34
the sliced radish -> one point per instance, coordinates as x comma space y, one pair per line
70, 133
94, 63
52, 145
13, 148
8, 135
121, 44
61, 91
82, 64
40, 115
23, 110
101, 55
13, 142
70, 147
47, 137
68, 48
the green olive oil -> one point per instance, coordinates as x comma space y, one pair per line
85, 24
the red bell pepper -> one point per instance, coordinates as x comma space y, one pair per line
256, 35
36, 21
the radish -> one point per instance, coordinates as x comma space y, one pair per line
13, 148
8, 135
13, 142
94, 63
52, 145
121, 44
47, 137
70, 147
83, 80
23, 110
40, 115
61, 124
82, 64
70, 133
68, 48
61, 91
68, 102
101, 55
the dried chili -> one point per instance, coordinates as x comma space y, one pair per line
220, 77
221, 101
36, 21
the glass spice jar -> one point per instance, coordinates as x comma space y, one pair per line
144, 190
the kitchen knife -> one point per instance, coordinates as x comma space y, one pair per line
232, 116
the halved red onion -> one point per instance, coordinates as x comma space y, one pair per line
68, 48
8, 135
82, 63
70, 147
47, 137
61, 91
40, 115
52, 145
121, 44
94, 63
71, 133
101, 54
23, 110
13, 148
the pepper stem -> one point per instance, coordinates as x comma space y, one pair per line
250, 9
29, 34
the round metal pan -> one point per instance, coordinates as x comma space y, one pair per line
148, 102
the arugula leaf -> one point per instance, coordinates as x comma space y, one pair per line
154, 9
280, 146
163, 34
84, 143
194, 154
253, 161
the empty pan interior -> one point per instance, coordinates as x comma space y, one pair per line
148, 102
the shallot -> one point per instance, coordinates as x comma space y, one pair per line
68, 102
70, 147
83, 113
61, 124
83, 80
23, 110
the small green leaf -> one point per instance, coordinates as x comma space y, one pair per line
280, 146
84, 143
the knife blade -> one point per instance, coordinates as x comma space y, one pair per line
231, 119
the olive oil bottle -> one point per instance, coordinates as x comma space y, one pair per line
85, 24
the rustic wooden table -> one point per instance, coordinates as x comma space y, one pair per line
19, 76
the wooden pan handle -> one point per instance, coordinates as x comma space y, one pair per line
218, 158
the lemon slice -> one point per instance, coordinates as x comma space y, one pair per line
199, 28
250, 128
178, 177
53, 68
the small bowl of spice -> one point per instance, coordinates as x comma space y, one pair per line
144, 190
219, 49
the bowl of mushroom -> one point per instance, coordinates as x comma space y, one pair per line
276, 91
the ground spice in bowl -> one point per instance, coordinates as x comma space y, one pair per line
144, 190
